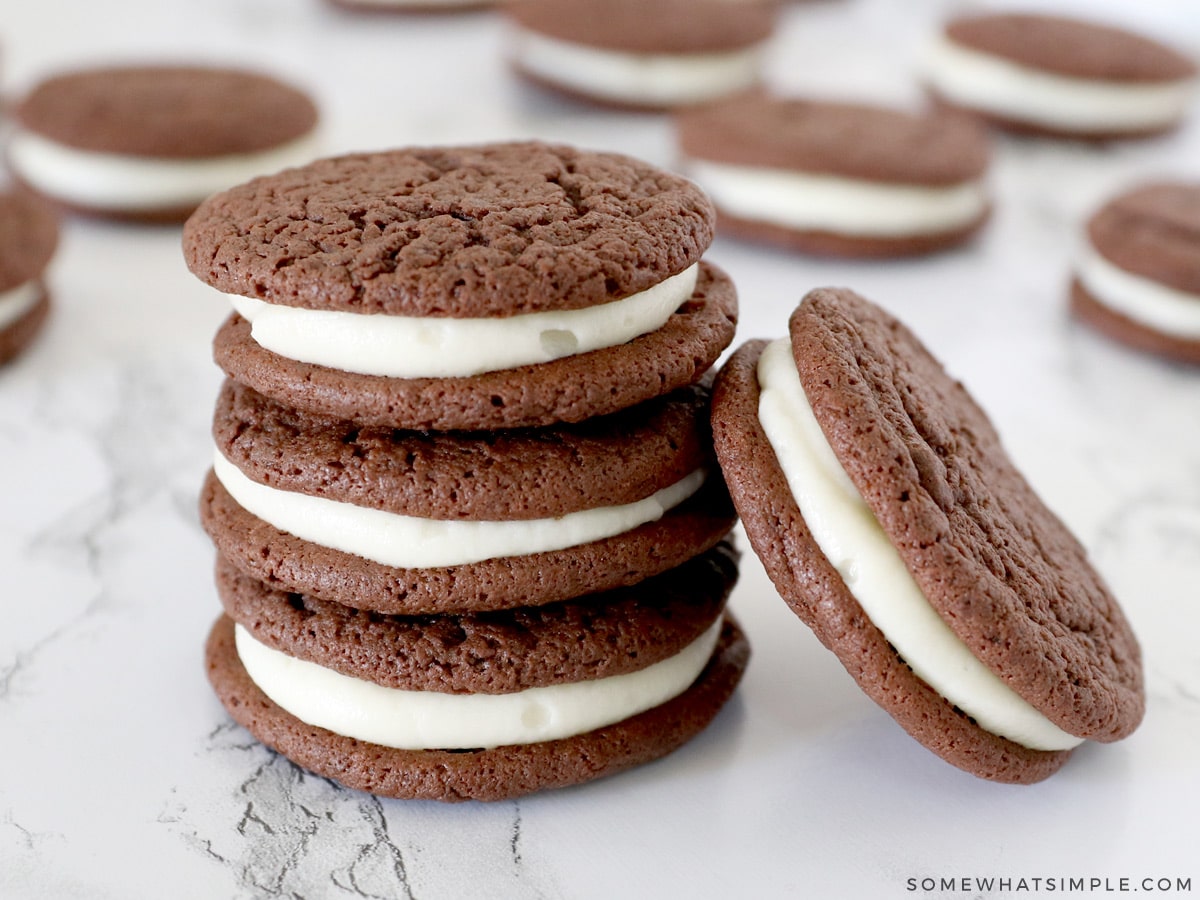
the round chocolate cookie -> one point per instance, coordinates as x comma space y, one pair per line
411, 6
568, 389
996, 566
837, 178
1071, 47
597, 637
492, 476
291, 563
633, 54
150, 142
524, 480
665, 26
460, 232
28, 239
494, 774
1138, 279
556, 284
1060, 77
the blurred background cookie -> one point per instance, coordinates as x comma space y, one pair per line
650, 54
150, 142
1137, 279
836, 178
413, 6
28, 238
1060, 77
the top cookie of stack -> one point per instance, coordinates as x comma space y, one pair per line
504, 286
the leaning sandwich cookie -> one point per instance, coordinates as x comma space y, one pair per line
837, 178
1059, 77
892, 522
28, 239
148, 142
1137, 278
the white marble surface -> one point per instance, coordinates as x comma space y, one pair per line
121, 776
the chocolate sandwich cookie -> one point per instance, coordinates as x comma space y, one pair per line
1138, 277
479, 707
419, 522
498, 286
411, 6
28, 238
150, 142
836, 178
892, 522
1059, 77
598, 636
629, 53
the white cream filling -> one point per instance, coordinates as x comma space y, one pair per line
113, 181
409, 542
426, 720
16, 302
442, 347
851, 538
1155, 305
638, 78
832, 203
992, 84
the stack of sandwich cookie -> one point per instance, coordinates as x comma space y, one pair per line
836, 178
1059, 77
28, 238
149, 143
1138, 277
634, 54
890, 519
503, 488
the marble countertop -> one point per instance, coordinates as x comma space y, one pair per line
122, 777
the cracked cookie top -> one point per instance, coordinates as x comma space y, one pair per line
483, 231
